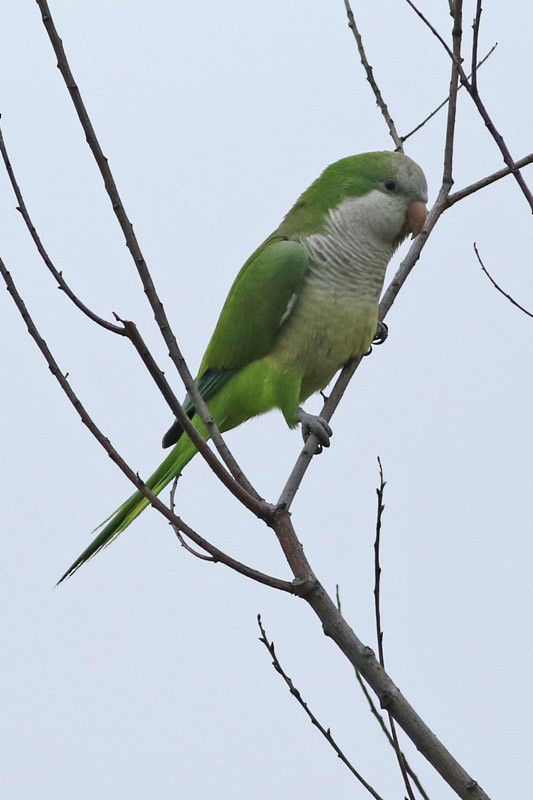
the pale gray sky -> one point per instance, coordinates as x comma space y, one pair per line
142, 676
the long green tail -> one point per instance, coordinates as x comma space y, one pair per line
179, 456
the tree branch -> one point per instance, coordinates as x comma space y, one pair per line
364, 660
474, 94
130, 331
22, 209
87, 420
379, 631
447, 174
296, 694
396, 138
496, 286
420, 125
379, 718
483, 182
475, 43
377, 567
253, 501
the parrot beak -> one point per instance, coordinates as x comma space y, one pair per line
416, 217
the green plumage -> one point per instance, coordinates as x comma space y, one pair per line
303, 304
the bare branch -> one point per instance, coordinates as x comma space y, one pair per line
180, 537
248, 495
498, 138
379, 717
381, 722
377, 567
87, 420
379, 632
364, 660
398, 142
447, 173
481, 184
491, 279
434, 31
391, 699
129, 330
58, 276
475, 42
181, 540
474, 94
296, 694
444, 102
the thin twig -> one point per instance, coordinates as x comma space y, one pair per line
396, 138
447, 173
326, 733
377, 567
338, 598
379, 631
433, 30
249, 496
444, 102
58, 276
481, 184
496, 286
475, 43
498, 138
180, 537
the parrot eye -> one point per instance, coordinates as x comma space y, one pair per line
390, 185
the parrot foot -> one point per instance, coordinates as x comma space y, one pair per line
382, 331
311, 423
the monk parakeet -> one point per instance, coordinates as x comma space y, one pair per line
304, 303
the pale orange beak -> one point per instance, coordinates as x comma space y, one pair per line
416, 217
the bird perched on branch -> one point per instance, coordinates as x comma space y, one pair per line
304, 303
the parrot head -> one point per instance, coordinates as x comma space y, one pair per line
388, 191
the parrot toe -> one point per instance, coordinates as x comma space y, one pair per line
382, 331
311, 423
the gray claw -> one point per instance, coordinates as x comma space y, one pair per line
311, 423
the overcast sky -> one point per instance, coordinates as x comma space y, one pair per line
142, 676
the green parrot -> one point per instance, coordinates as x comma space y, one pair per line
304, 303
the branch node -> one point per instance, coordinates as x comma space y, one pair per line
304, 584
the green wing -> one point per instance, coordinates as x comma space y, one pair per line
259, 301
261, 298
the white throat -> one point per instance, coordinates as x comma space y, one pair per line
352, 252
